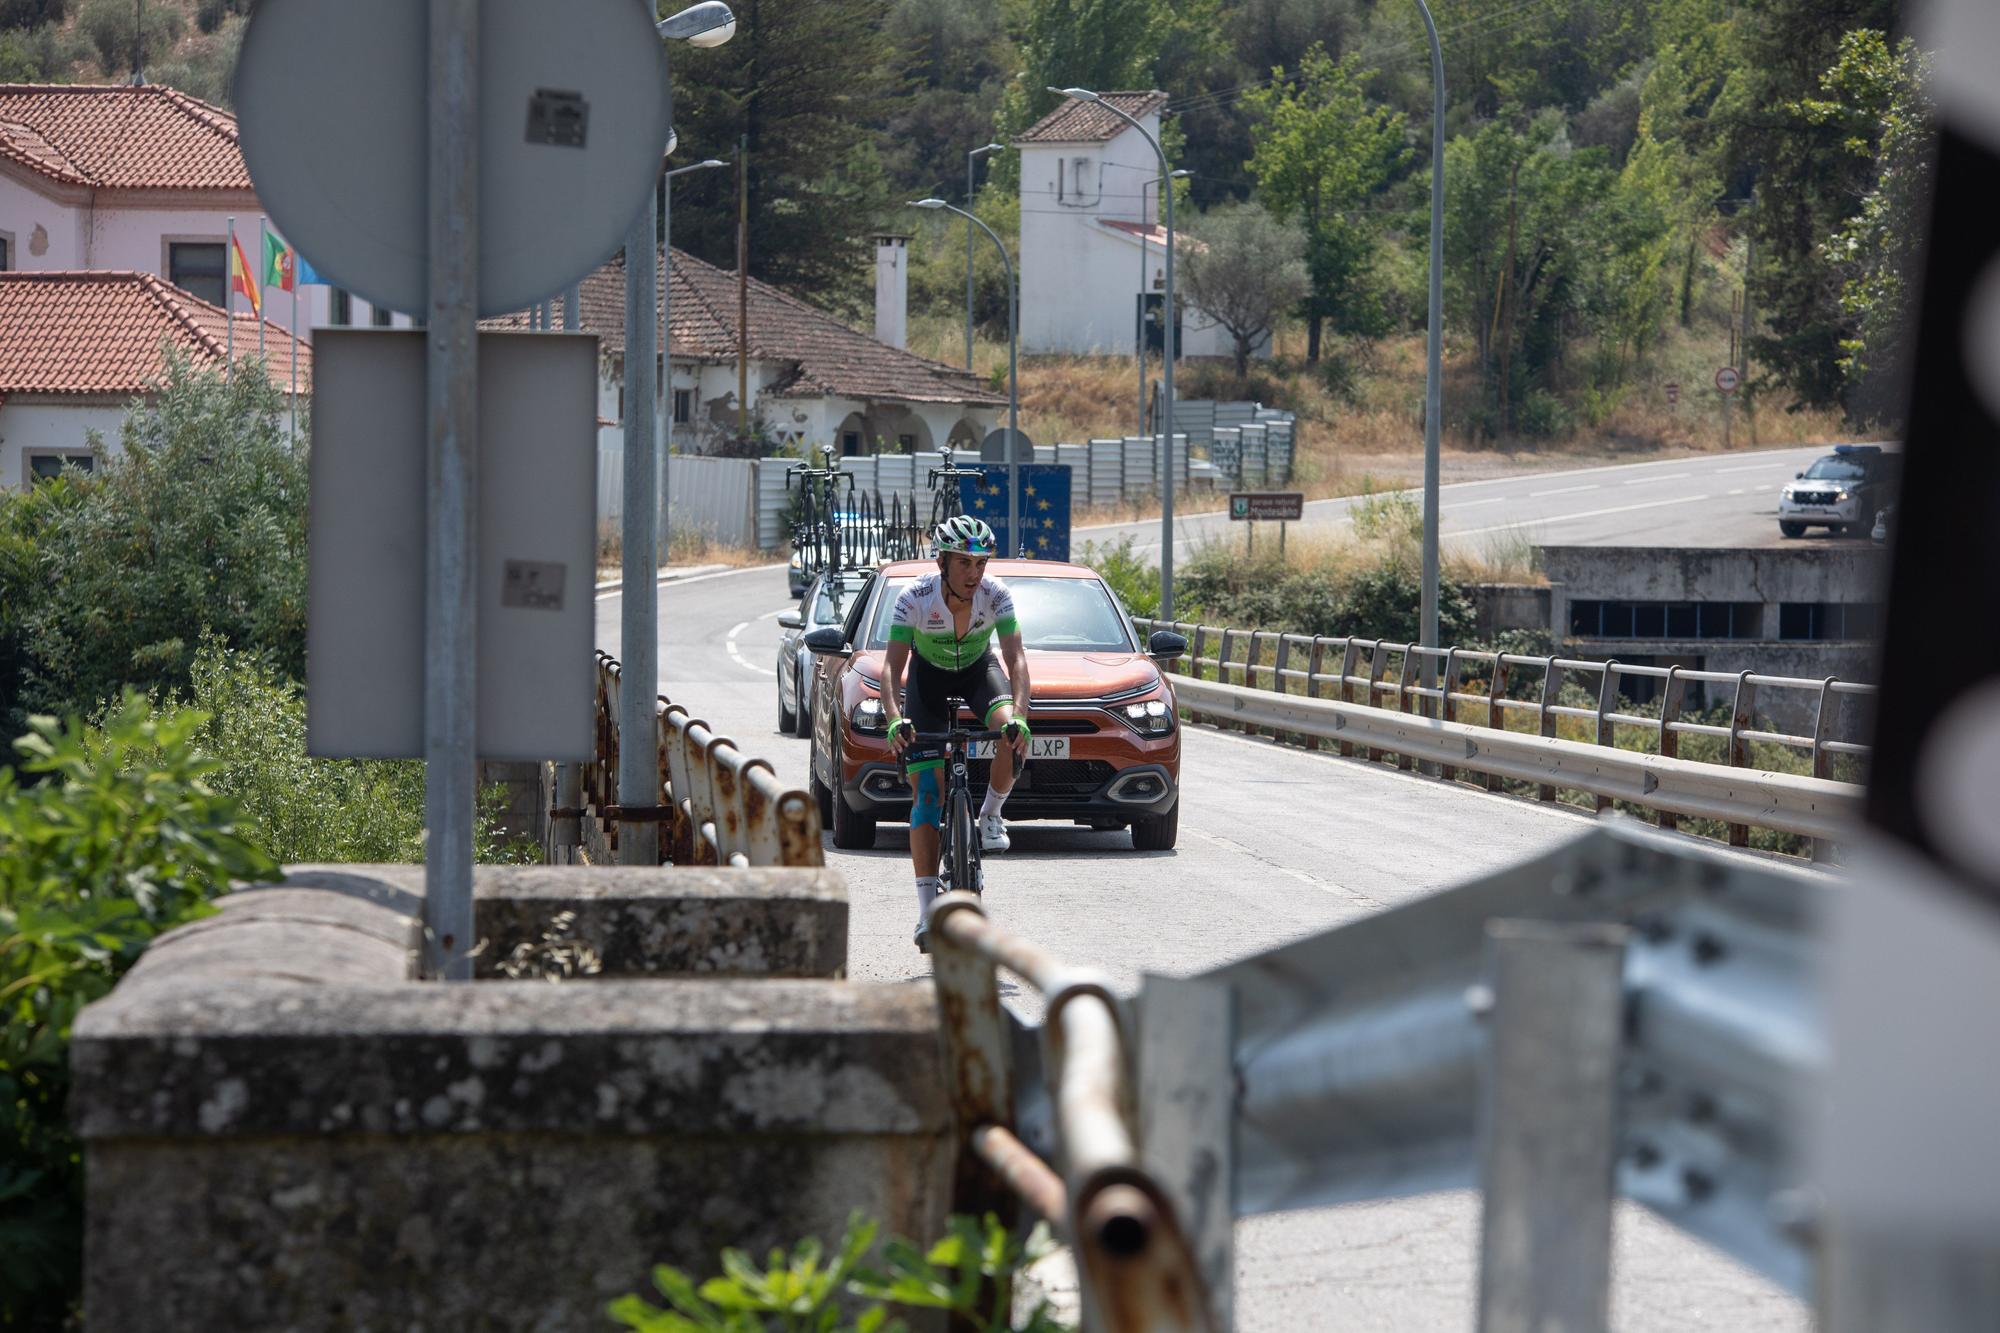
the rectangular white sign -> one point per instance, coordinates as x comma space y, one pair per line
537, 470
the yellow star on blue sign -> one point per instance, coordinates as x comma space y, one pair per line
1029, 489
1042, 542
1048, 523
979, 503
1041, 504
993, 490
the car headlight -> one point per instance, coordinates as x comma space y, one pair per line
1839, 496
868, 717
1150, 718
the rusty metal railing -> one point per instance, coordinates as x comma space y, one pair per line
715, 804
1136, 1271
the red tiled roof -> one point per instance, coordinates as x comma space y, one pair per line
117, 137
1150, 231
1089, 122
828, 357
104, 334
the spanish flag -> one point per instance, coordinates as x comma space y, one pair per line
243, 278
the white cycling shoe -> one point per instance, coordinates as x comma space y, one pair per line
993, 834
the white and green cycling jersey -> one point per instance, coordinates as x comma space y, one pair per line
924, 621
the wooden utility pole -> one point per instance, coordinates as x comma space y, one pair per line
743, 287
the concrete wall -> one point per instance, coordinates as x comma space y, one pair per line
56, 228
1498, 607
282, 1130
29, 425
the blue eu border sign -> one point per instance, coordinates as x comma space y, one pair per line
1044, 507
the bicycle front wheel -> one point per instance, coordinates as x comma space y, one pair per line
964, 844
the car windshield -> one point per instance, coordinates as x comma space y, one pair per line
1836, 468
826, 611
1064, 615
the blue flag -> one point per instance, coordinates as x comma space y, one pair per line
307, 273
1044, 507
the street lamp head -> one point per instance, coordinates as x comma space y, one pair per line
1080, 94
1180, 175
928, 203
712, 162
988, 148
673, 141
710, 23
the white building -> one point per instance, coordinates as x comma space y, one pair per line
77, 348
142, 180
811, 379
1091, 240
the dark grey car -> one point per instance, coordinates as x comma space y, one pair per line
826, 602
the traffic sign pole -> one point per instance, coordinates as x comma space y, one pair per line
452, 409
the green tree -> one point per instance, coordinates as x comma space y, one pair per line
1322, 152
957, 60
199, 524
1876, 94
1245, 268
117, 839
1807, 185
798, 80
111, 25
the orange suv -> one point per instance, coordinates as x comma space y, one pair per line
1107, 741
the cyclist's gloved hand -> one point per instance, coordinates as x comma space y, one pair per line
900, 732
1017, 735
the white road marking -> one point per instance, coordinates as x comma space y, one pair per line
1587, 513
607, 595
1512, 478
1741, 490
1755, 467
1664, 476
1562, 490
737, 653
1474, 504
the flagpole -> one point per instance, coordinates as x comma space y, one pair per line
293, 352
257, 308
229, 304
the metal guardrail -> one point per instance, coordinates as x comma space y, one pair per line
718, 805
1357, 673
1627, 1015
1136, 1271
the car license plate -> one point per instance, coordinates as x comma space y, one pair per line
1039, 747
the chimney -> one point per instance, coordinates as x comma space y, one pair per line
892, 289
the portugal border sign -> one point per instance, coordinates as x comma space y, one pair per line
1267, 506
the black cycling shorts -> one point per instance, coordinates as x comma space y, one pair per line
983, 686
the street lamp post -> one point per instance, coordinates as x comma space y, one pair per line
666, 341
1013, 376
1167, 477
1433, 353
1144, 186
709, 23
970, 158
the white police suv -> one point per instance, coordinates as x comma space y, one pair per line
1841, 491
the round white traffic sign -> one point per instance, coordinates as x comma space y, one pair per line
574, 108
1726, 379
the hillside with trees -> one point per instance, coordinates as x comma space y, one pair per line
1623, 176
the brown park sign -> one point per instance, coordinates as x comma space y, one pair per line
1267, 506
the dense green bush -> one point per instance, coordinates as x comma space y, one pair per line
298, 808
110, 25
119, 838
198, 526
804, 1291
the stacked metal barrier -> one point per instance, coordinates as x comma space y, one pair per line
717, 805
1343, 691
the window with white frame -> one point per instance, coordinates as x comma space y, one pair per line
6, 251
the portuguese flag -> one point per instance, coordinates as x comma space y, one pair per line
280, 263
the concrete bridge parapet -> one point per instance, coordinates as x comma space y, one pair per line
284, 1129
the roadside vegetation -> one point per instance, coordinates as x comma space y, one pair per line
152, 644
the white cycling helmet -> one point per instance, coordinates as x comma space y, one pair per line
966, 535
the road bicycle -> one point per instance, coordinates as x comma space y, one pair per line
958, 852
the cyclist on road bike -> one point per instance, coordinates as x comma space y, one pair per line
949, 620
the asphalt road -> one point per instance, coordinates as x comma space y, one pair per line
1714, 500
1275, 844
